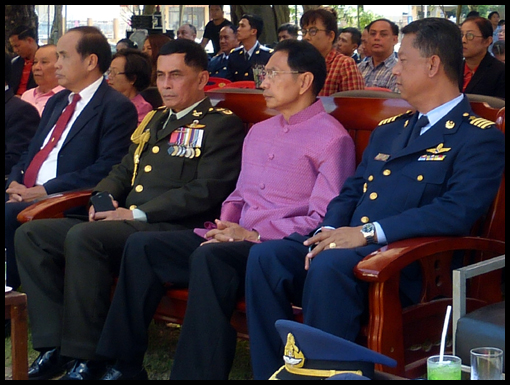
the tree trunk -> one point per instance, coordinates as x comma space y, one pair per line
57, 28
16, 15
308, 7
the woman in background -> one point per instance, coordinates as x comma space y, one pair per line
483, 73
151, 47
130, 73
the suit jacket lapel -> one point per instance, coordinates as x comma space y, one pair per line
436, 135
89, 112
197, 114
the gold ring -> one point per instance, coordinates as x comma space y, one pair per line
332, 245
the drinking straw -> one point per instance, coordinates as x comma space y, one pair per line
445, 331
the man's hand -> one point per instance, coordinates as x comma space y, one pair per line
120, 214
343, 238
230, 232
20, 193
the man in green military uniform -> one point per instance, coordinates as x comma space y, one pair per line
184, 162
251, 56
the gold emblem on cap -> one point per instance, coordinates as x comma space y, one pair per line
293, 356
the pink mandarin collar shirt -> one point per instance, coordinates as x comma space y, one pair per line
290, 173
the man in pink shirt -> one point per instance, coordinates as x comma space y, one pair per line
293, 165
43, 71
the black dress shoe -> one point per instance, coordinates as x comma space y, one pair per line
47, 366
84, 370
114, 375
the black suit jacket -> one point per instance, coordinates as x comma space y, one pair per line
489, 79
21, 121
98, 140
17, 71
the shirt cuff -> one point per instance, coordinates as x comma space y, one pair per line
381, 236
139, 215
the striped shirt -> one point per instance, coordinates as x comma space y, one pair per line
343, 74
380, 76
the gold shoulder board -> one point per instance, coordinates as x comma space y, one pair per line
481, 123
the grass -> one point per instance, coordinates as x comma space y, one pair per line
159, 358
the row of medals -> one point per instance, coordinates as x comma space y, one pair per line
184, 152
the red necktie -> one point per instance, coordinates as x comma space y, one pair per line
34, 167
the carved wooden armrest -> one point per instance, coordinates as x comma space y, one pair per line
55, 205
390, 260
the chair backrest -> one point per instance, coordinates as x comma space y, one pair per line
241, 84
215, 82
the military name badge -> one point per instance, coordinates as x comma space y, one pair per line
186, 142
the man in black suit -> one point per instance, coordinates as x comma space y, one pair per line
24, 44
184, 162
20, 122
95, 139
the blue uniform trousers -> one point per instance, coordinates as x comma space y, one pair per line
333, 300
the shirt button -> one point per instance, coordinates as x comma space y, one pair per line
139, 189
271, 156
286, 130
262, 186
155, 150
365, 220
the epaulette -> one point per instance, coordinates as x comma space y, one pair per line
481, 122
408, 114
267, 49
236, 49
224, 111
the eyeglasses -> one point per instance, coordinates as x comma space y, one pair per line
312, 31
112, 73
270, 74
469, 36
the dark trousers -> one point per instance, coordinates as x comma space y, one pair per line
67, 268
332, 298
11, 225
215, 274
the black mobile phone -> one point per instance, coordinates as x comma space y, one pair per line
102, 202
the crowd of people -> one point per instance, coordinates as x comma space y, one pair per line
197, 202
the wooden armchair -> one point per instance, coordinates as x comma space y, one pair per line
408, 335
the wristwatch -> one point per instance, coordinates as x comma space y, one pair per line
368, 232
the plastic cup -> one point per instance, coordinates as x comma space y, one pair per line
448, 369
487, 364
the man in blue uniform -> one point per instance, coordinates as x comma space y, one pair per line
429, 173
251, 54
218, 65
